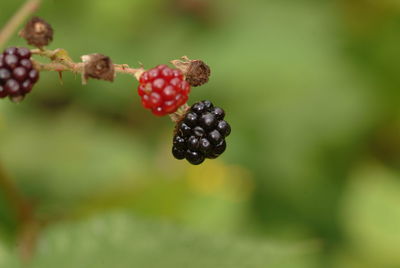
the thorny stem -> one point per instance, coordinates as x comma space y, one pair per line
62, 62
25, 10
29, 225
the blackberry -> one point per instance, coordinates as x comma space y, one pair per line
17, 75
201, 133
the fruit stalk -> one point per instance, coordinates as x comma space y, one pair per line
62, 62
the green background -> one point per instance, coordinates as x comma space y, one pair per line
311, 175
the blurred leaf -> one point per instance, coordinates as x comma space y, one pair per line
8, 221
6, 257
121, 241
58, 159
213, 197
371, 215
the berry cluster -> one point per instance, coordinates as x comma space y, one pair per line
201, 129
201, 133
163, 90
17, 75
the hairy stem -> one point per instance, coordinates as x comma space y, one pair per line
60, 62
25, 11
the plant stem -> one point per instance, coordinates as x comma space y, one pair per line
27, 9
62, 62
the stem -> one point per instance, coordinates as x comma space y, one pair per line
124, 68
25, 10
177, 116
62, 62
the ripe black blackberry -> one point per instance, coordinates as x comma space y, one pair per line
201, 133
17, 75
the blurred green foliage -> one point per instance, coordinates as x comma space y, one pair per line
311, 174
120, 240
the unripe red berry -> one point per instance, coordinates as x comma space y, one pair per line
163, 90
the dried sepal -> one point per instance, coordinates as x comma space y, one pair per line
196, 72
37, 32
97, 66
17, 98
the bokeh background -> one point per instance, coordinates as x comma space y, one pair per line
311, 176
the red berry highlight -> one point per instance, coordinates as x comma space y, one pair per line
163, 90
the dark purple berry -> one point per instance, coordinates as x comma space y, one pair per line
26, 86
179, 142
224, 128
4, 74
191, 119
219, 113
208, 121
198, 107
198, 131
205, 146
201, 134
20, 73
194, 157
215, 137
185, 129
23, 53
11, 61
220, 147
26, 63
33, 75
193, 143
11, 51
17, 75
12, 87
207, 104
178, 154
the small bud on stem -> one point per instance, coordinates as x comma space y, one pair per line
98, 66
197, 73
37, 32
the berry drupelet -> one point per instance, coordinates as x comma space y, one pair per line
17, 75
163, 90
201, 133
